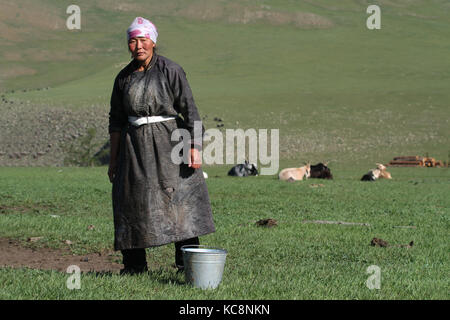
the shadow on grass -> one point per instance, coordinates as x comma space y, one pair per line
165, 276
162, 275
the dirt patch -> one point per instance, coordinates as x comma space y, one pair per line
377, 242
13, 209
268, 223
17, 256
4, 209
315, 185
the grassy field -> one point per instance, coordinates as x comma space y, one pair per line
294, 260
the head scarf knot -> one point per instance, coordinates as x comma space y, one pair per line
142, 28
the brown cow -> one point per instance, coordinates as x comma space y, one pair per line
383, 173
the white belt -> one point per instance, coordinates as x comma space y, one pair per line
139, 121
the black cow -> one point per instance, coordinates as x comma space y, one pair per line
243, 170
369, 177
320, 171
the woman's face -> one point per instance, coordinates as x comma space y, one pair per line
141, 48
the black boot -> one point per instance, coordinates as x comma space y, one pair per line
134, 261
179, 263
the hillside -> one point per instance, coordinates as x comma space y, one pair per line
336, 90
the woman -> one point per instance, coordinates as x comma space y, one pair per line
155, 201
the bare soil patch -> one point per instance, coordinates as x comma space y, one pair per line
5, 209
377, 242
269, 223
15, 255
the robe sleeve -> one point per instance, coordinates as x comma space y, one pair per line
117, 117
185, 105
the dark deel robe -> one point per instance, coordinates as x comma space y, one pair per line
155, 201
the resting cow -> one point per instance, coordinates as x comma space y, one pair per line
243, 170
294, 174
320, 171
374, 174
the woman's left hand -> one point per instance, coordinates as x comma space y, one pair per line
195, 159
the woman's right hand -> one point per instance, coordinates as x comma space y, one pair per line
112, 171
115, 144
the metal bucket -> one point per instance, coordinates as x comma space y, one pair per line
203, 266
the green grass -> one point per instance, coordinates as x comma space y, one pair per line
294, 260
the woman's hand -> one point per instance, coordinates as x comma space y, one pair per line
115, 144
112, 171
195, 160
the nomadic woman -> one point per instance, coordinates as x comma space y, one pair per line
156, 200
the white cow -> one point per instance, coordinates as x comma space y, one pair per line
295, 173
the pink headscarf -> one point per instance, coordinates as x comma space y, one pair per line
142, 28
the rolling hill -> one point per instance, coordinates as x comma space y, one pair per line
335, 90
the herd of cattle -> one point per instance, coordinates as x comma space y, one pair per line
318, 171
